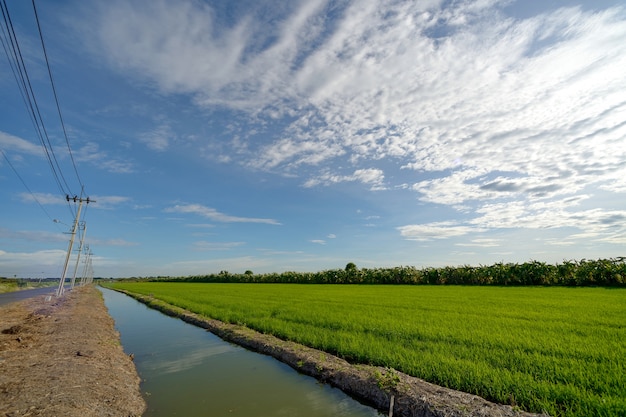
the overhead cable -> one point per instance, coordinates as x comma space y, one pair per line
18, 67
26, 186
56, 99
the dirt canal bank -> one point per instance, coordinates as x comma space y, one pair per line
62, 357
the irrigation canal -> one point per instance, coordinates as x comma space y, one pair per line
187, 371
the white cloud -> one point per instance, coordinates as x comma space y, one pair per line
215, 215
36, 260
91, 152
504, 118
216, 246
382, 85
43, 198
482, 243
159, 138
272, 252
13, 143
200, 225
372, 176
318, 241
107, 201
549, 214
111, 242
597, 225
437, 230
33, 236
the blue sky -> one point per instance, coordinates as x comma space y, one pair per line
303, 135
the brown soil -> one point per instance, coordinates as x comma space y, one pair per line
412, 397
62, 357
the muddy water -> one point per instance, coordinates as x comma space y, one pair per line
187, 371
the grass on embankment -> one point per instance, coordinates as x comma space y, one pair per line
16, 284
560, 350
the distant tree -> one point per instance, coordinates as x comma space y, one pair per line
351, 266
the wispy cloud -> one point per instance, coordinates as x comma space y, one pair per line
159, 138
373, 177
594, 224
108, 201
112, 242
216, 246
437, 230
200, 225
482, 243
13, 143
95, 201
437, 102
43, 198
36, 260
458, 98
91, 152
33, 236
274, 252
215, 215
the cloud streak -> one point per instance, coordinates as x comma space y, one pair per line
374, 177
216, 246
14, 143
211, 213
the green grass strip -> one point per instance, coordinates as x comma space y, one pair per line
553, 349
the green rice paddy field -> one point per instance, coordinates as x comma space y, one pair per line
554, 349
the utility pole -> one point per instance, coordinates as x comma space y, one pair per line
80, 201
80, 249
90, 270
83, 277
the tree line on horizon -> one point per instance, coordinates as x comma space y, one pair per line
602, 272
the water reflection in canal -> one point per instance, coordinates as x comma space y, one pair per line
187, 371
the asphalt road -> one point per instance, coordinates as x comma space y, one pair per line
10, 297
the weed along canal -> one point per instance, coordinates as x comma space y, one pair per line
187, 371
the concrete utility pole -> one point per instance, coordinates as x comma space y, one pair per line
83, 277
90, 269
80, 249
80, 201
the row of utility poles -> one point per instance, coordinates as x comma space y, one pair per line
87, 275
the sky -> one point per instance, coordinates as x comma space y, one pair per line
280, 136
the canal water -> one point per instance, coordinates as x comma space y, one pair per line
187, 371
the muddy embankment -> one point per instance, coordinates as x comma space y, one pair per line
412, 397
63, 357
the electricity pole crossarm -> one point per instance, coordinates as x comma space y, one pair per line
80, 201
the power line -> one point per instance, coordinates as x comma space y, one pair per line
26, 186
56, 100
18, 67
16, 61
